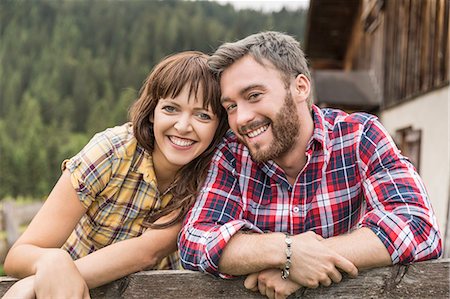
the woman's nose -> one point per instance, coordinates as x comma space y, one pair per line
183, 125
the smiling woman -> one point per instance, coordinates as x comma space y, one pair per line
183, 129
127, 190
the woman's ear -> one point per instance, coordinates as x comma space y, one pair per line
302, 87
151, 117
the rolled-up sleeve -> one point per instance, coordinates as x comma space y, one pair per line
214, 219
398, 208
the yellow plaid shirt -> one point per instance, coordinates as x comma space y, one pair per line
115, 180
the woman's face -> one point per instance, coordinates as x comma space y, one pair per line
183, 129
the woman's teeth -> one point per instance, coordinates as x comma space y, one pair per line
180, 141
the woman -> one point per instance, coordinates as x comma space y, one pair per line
119, 203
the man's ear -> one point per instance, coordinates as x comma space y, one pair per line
302, 86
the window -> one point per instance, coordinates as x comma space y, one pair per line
408, 140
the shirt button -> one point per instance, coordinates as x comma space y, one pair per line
296, 209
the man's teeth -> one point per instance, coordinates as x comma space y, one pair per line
181, 141
258, 131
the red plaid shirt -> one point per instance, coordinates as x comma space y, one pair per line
354, 177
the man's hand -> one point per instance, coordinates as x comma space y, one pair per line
58, 277
313, 263
270, 284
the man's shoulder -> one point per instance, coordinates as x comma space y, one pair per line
230, 142
231, 149
335, 118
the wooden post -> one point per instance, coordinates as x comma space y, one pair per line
447, 229
11, 223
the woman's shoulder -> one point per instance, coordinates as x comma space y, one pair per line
118, 141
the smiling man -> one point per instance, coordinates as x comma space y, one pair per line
296, 195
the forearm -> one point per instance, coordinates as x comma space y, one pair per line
23, 259
118, 260
362, 247
104, 265
250, 253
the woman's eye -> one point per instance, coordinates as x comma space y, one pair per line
169, 109
204, 116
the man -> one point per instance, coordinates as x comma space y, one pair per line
299, 194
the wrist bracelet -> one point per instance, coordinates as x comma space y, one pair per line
287, 266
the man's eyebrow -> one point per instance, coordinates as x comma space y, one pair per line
224, 99
243, 91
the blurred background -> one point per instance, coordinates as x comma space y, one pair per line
69, 69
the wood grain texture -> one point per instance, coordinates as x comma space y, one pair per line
429, 279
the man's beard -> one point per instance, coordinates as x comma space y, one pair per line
285, 130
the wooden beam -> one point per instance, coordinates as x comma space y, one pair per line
420, 280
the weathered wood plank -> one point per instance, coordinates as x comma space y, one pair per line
421, 280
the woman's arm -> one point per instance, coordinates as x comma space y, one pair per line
37, 250
48, 231
122, 258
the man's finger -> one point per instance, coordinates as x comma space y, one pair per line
251, 282
262, 287
270, 293
346, 266
335, 276
326, 281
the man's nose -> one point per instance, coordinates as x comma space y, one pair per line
244, 115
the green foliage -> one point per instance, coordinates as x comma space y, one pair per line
69, 69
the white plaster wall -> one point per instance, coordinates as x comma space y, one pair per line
431, 114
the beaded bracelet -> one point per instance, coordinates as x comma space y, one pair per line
287, 266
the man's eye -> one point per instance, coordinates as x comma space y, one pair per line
230, 107
254, 96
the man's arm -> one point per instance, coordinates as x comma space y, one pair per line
313, 262
250, 253
398, 210
362, 247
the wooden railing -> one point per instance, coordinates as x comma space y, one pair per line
429, 279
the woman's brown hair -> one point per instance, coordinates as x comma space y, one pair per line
167, 80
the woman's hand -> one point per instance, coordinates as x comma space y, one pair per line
23, 289
58, 277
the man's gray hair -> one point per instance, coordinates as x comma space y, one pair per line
282, 50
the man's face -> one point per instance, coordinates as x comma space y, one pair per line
261, 110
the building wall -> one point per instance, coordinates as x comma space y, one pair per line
431, 114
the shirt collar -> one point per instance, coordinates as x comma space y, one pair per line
319, 134
318, 137
143, 162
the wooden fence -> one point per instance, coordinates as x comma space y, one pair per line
12, 216
429, 279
